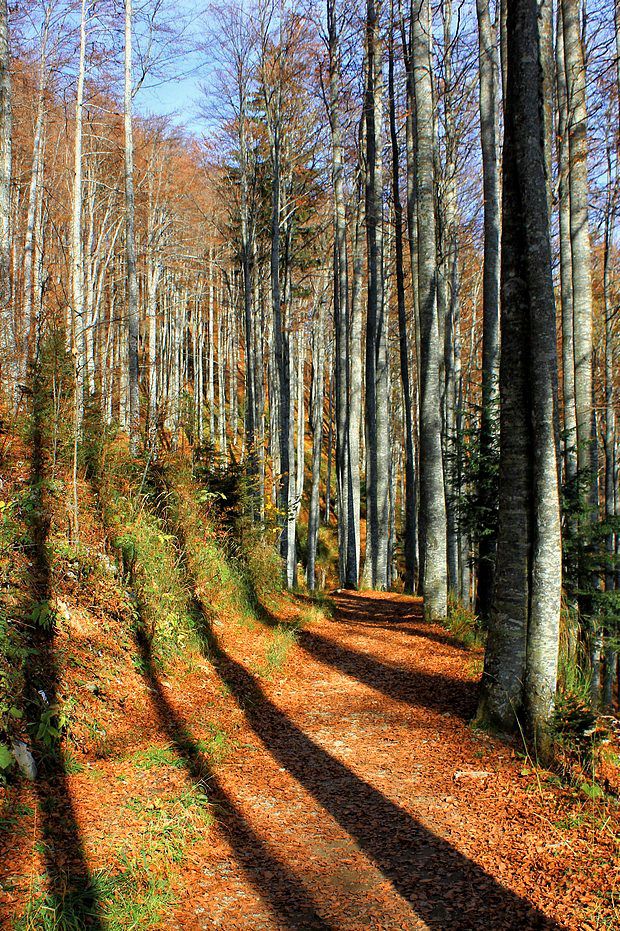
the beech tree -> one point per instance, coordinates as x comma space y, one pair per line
521, 660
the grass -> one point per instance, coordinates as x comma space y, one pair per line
282, 640
217, 746
123, 900
167, 825
154, 757
138, 895
463, 625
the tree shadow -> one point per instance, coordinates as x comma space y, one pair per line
445, 888
413, 687
282, 890
71, 887
406, 616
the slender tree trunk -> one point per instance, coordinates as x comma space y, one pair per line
8, 370
133, 319
433, 554
355, 394
566, 272
341, 295
77, 252
211, 337
330, 442
25, 349
611, 464
403, 340
316, 428
579, 232
489, 139
377, 388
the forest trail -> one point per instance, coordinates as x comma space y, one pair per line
353, 793
363, 778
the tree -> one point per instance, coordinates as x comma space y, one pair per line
377, 388
521, 659
489, 142
133, 319
433, 556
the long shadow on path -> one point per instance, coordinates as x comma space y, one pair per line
403, 613
444, 888
74, 897
414, 687
280, 888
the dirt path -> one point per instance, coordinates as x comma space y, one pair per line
357, 773
355, 794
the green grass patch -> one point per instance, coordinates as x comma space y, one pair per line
131, 898
217, 746
283, 639
464, 625
167, 825
154, 757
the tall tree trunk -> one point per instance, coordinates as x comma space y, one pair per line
8, 370
133, 319
316, 428
341, 295
489, 140
449, 241
377, 387
77, 252
433, 556
522, 649
403, 339
24, 351
566, 272
579, 232
211, 338
355, 392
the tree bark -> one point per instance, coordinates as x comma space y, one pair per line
410, 529
7, 331
522, 650
433, 555
489, 140
341, 296
133, 319
377, 387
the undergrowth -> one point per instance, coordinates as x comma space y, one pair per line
463, 624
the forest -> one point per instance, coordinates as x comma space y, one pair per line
309, 464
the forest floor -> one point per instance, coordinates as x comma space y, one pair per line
340, 786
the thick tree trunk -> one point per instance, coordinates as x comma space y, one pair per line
522, 649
